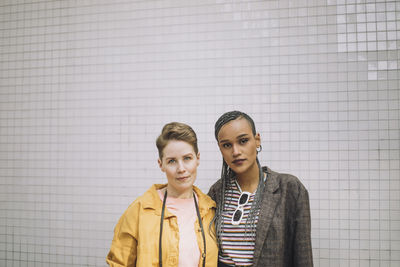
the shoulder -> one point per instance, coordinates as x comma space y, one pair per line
215, 189
132, 217
204, 200
148, 199
217, 185
287, 183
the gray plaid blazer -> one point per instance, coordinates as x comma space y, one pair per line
283, 237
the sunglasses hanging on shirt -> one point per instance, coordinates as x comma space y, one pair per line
239, 211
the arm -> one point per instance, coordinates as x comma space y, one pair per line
123, 251
302, 240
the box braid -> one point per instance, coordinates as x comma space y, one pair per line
227, 175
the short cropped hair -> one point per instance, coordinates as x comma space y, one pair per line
176, 131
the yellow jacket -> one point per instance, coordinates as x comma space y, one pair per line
136, 236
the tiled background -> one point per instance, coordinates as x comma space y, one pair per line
87, 85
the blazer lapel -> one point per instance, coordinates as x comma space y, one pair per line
271, 196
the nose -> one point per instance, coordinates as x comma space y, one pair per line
235, 150
181, 167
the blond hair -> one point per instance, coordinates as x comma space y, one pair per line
176, 131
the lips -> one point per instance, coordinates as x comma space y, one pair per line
183, 178
238, 161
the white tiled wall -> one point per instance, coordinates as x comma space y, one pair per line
87, 85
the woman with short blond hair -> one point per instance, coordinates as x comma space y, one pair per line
168, 224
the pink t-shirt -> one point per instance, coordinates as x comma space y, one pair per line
185, 211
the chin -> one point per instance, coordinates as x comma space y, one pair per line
241, 169
237, 170
186, 184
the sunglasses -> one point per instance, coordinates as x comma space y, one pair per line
238, 213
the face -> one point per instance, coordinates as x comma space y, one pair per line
238, 146
179, 162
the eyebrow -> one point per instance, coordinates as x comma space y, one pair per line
187, 154
238, 137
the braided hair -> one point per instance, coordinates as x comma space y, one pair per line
228, 175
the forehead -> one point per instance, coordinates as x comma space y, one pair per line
176, 148
235, 128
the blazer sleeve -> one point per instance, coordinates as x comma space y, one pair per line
211, 193
123, 251
214, 190
302, 241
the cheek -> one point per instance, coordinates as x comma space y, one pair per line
223, 151
252, 150
225, 154
193, 166
169, 170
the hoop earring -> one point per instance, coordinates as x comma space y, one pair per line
259, 149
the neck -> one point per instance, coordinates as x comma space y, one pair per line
249, 180
175, 194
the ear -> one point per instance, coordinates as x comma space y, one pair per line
258, 139
160, 165
198, 158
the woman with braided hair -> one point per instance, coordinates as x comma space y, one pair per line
262, 217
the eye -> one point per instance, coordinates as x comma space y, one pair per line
171, 161
187, 158
243, 141
226, 145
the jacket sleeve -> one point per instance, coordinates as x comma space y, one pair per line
123, 251
213, 191
302, 240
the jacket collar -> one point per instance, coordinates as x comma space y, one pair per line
151, 200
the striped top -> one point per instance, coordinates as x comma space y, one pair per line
237, 246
